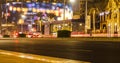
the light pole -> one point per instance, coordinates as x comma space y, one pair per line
64, 10
22, 16
86, 16
6, 17
22, 22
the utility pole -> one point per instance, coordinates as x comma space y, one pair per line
86, 16
86, 11
6, 18
64, 9
22, 19
1, 18
64, 15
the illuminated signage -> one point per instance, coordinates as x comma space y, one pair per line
30, 8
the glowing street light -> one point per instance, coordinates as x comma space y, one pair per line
72, 0
23, 16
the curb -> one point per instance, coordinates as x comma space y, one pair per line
39, 58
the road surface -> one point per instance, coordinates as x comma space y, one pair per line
91, 51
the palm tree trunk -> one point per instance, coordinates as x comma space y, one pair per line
94, 21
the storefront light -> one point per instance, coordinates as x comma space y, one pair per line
34, 10
66, 24
115, 24
18, 9
8, 4
10, 8
107, 12
48, 11
14, 9
38, 10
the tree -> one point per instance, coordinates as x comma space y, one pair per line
95, 8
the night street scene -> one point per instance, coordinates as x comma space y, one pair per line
59, 31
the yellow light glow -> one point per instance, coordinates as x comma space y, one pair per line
80, 24
48, 11
14, 9
51, 11
24, 9
18, 9
57, 13
10, 8
34, 10
72, 0
38, 10
21, 21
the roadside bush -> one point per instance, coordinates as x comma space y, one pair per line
63, 33
6, 36
22, 35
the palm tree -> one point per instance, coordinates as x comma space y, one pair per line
93, 12
95, 8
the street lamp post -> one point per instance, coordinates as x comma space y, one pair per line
22, 16
85, 16
64, 15
6, 17
64, 10
22, 22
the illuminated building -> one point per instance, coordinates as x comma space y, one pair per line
110, 18
17, 9
28, 15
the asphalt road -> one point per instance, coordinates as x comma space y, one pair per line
92, 51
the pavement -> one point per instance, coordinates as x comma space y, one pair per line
97, 50
16, 57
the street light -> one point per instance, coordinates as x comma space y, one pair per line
86, 15
21, 21
6, 17
72, 0
23, 16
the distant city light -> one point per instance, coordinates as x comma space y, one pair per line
101, 14
72, 0
80, 24
10, 8
23, 16
8, 4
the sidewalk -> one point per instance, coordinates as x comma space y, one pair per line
13, 59
16, 57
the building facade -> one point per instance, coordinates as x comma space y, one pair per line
27, 16
110, 18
